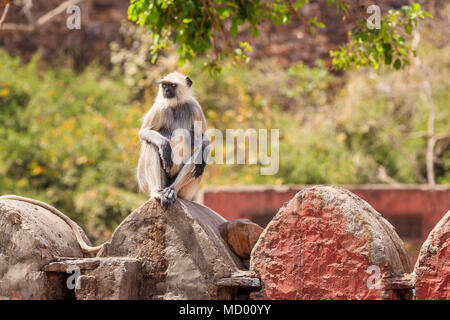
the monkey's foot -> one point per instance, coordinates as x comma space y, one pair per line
169, 196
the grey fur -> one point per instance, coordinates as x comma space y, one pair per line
158, 175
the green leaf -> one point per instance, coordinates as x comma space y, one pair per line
408, 28
397, 64
406, 10
320, 25
387, 47
225, 14
234, 27
388, 58
181, 61
300, 3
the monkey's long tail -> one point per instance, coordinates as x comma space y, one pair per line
84, 246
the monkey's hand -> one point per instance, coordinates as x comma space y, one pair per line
169, 196
165, 153
152, 137
157, 194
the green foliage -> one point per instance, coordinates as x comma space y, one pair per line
365, 128
11, 103
385, 116
386, 44
70, 140
198, 27
196, 23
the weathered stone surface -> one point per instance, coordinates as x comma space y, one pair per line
181, 250
241, 235
321, 244
406, 281
241, 282
31, 237
432, 269
114, 279
153, 254
98, 278
65, 265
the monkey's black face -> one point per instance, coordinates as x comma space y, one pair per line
169, 90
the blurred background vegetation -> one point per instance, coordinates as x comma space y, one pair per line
69, 122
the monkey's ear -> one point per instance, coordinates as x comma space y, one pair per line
159, 81
188, 82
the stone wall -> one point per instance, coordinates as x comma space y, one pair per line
325, 243
432, 269
153, 254
413, 210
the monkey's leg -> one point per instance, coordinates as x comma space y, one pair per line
189, 176
183, 178
151, 177
189, 190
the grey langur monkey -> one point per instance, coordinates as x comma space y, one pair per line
173, 143
165, 169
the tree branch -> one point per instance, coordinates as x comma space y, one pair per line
28, 4
437, 136
297, 15
5, 12
41, 21
59, 9
383, 176
430, 145
219, 26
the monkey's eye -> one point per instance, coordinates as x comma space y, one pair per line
174, 85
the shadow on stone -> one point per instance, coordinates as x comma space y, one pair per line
153, 254
181, 250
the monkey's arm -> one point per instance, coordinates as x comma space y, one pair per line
162, 143
200, 163
194, 167
152, 136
